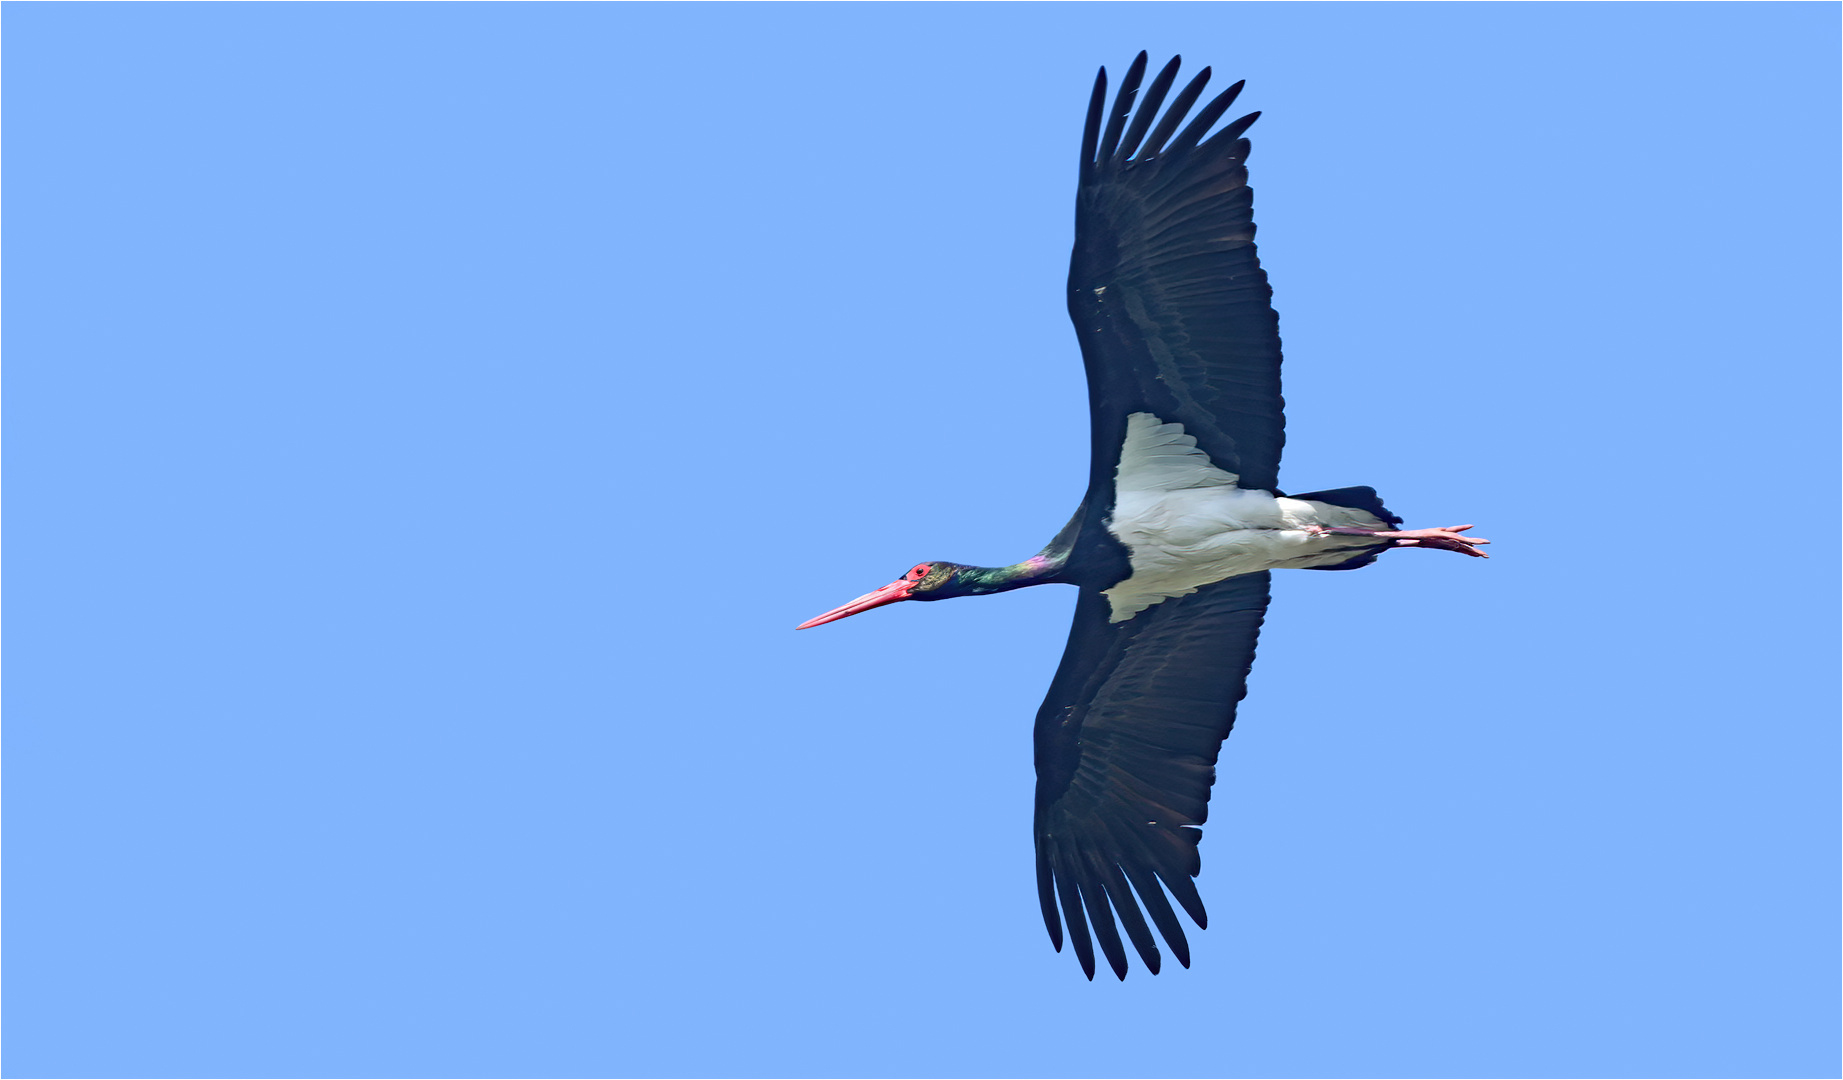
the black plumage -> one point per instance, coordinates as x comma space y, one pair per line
1126, 745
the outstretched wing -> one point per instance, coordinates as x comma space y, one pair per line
1173, 310
1126, 746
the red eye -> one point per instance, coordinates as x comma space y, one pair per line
919, 572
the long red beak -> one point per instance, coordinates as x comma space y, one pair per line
888, 594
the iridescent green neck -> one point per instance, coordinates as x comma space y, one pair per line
974, 580
1042, 566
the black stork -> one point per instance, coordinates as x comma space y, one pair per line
1182, 522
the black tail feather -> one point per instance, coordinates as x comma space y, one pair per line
1355, 498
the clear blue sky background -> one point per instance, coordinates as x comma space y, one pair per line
425, 425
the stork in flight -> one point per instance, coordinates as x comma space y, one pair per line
1182, 522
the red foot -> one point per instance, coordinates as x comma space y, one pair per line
1446, 539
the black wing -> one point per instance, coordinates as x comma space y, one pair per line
1126, 747
1173, 310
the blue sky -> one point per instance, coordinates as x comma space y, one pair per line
427, 423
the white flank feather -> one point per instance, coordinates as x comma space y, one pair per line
1186, 524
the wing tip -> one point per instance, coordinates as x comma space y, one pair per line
1091, 131
1046, 896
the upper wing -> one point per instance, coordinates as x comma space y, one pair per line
1173, 310
1126, 746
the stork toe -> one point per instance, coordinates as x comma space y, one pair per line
1445, 538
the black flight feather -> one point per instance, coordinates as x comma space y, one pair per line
1122, 106
1148, 107
1127, 742
1206, 118
1174, 115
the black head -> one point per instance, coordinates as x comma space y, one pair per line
923, 581
935, 580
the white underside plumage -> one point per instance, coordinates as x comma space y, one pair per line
1186, 524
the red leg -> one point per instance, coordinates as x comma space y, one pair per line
1446, 539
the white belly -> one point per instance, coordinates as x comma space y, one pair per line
1185, 524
